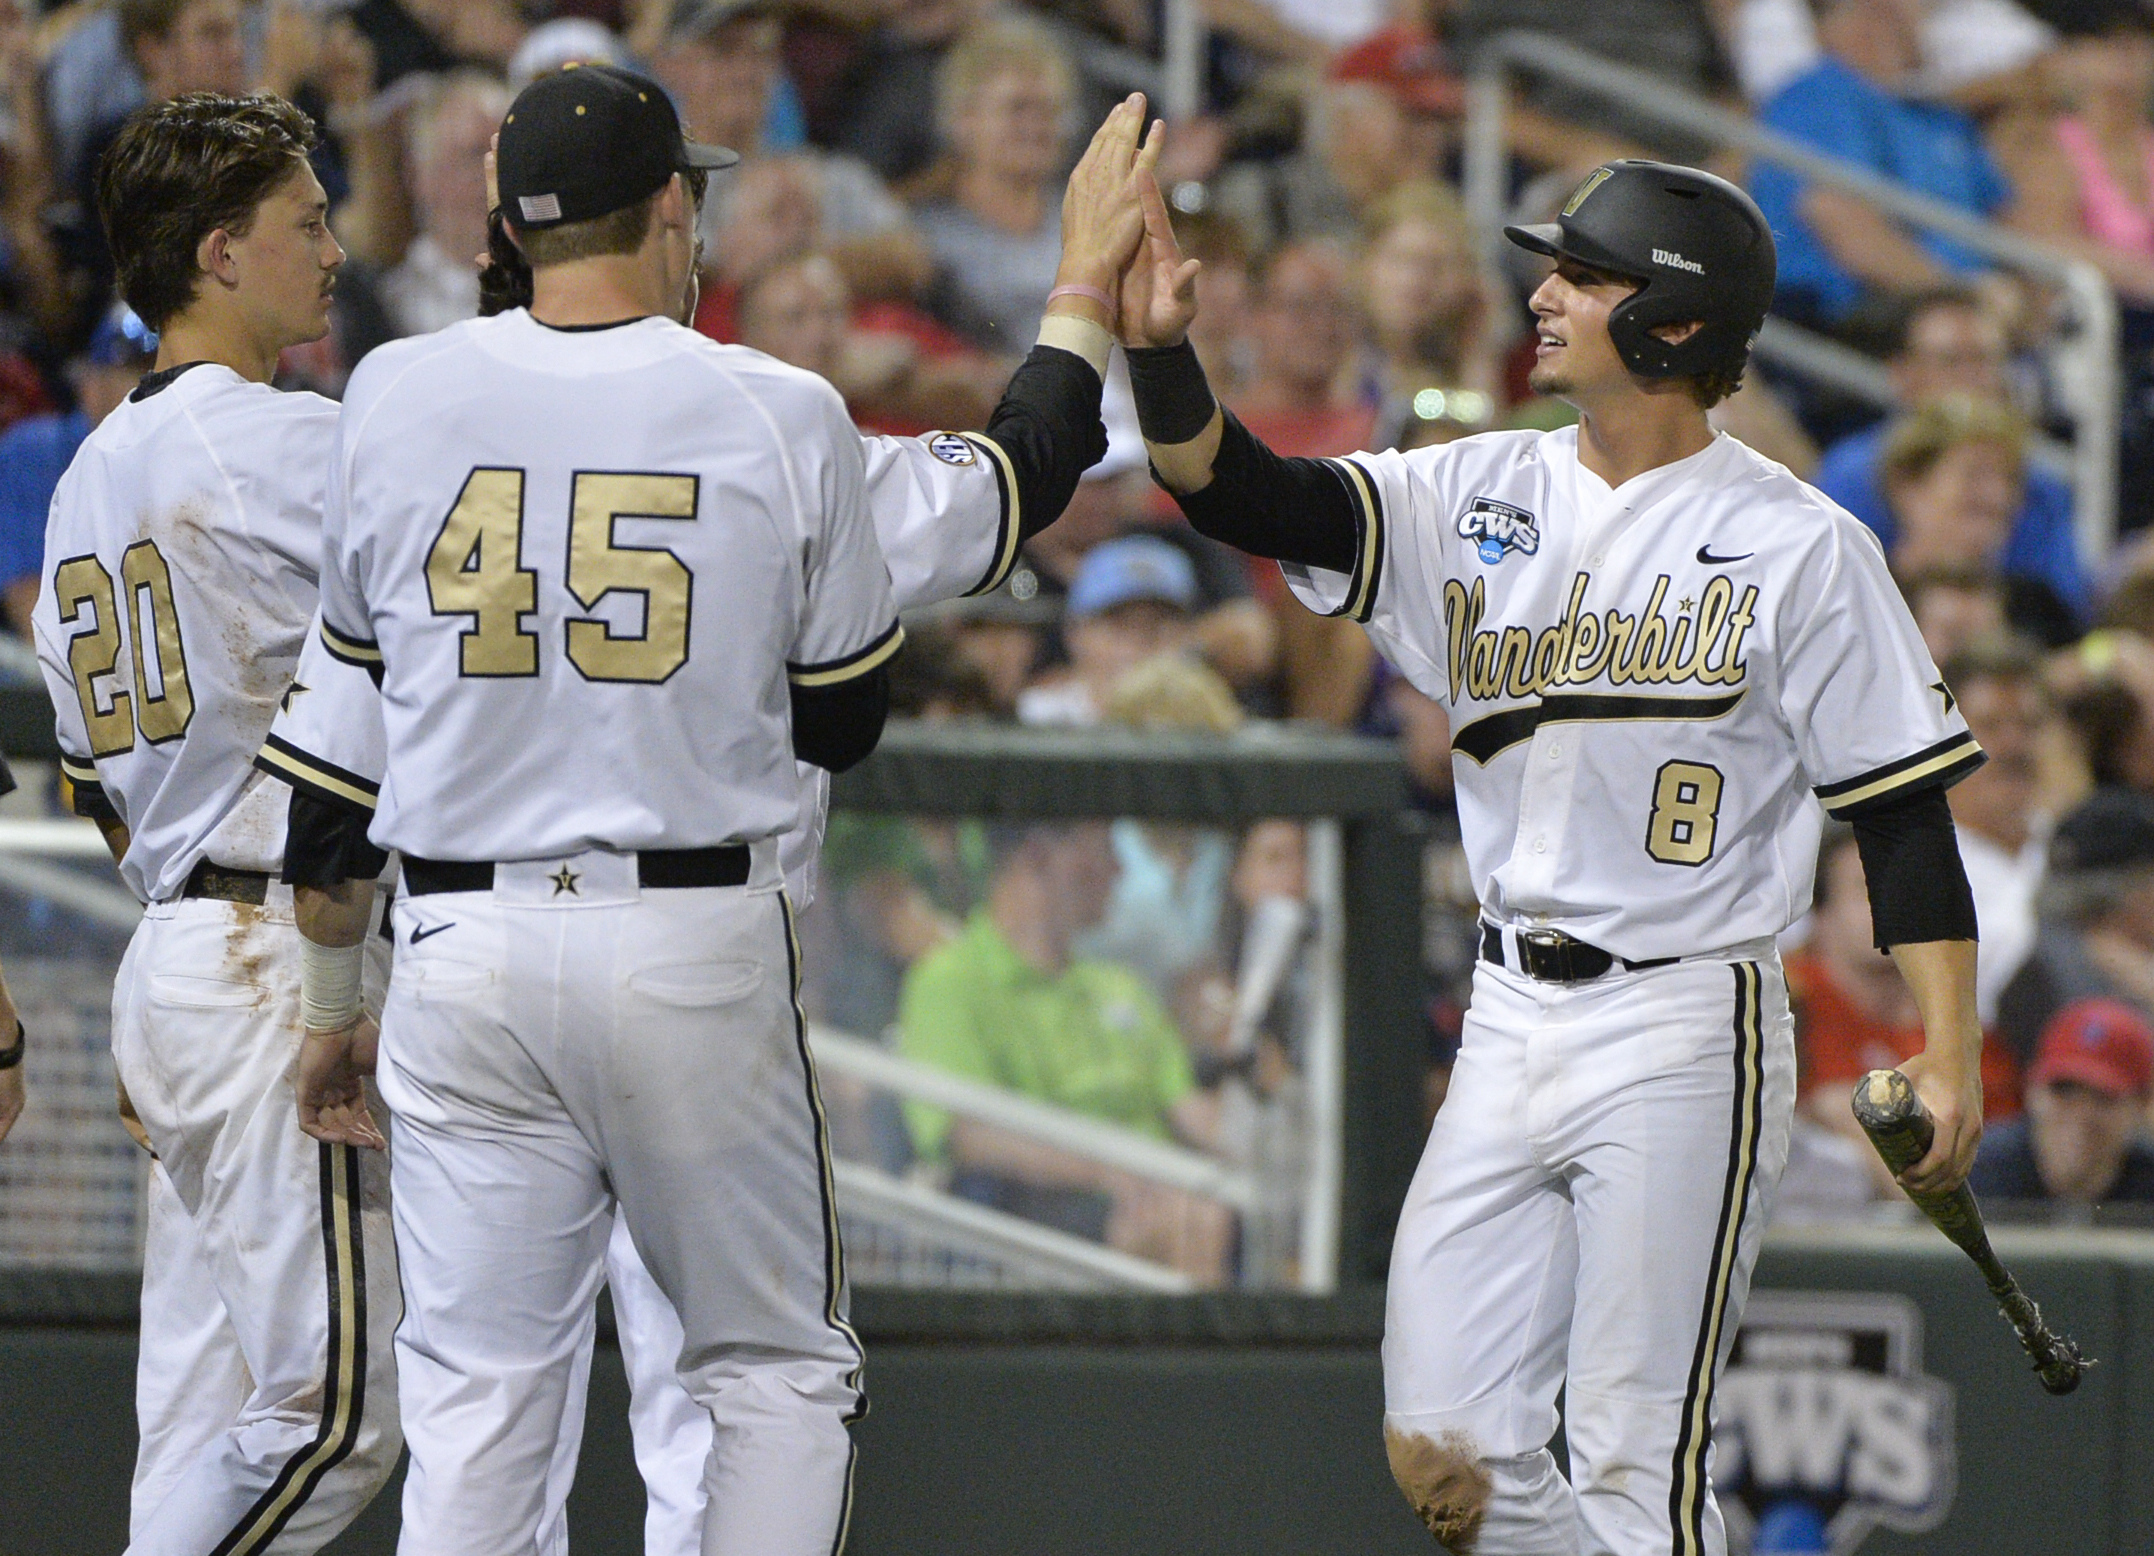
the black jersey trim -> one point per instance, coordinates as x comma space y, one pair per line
344, 1377
161, 380
80, 773
1011, 532
1940, 765
590, 329
363, 652
832, 671
325, 780
1369, 543
1688, 1485
1485, 739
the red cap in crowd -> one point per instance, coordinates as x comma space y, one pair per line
1407, 63
2100, 1043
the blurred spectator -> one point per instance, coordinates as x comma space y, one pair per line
2080, 1141
1220, 330
1004, 100
35, 453
1131, 599
561, 42
2106, 687
1853, 1011
32, 282
435, 284
999, 635
884, 112
1832, 245
1010, 1003
2082, 160
1759, 418
1429, 314
2095, 931
1944, 341
1953, 605
1954, 474
1305, 329
721, 64
799, 310
2003, 834
413, 36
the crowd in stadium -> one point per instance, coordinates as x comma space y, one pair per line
894, 227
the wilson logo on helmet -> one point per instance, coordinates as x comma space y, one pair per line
1677, 261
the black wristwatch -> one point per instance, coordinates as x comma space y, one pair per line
11, 1055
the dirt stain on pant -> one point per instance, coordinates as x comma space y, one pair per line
1445, 1482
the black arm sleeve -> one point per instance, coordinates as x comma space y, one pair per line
836, 726
1292, 510
325, 842
1911, 862
1048, 423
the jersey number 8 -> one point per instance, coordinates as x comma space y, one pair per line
1686, 813
475, 569
161, 704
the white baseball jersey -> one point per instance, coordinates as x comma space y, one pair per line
1645, 684
945, 511
585, 563
180, 564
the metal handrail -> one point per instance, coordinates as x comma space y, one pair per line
2086, 357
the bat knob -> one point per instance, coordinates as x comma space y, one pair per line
2061, 1367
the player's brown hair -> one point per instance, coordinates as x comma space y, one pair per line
1709, 389
616, 232
177, 172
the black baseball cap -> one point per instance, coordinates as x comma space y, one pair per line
2113, 830
588, 140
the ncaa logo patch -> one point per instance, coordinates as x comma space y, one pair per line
1499, 528
951, 449
1829, 1427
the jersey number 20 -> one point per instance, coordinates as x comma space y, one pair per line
161, 704
476, 569
1686, 813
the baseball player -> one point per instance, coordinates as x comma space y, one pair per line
181, 558
614, 579
1658, 652
950, 513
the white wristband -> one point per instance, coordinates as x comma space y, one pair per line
329, 979
1080, 336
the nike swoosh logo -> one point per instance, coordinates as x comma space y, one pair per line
430, 931
1710, 560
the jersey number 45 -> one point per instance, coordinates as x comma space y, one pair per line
476, 569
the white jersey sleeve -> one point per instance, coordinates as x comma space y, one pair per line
946, 514
848, 623
328, 738
1871, 715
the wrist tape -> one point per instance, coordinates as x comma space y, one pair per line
329, 979
1174, 402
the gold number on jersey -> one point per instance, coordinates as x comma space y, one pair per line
598, 567
474, 570
1686, 813
94, 651
166, 714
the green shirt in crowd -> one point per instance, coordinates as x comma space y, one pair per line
1092, 1038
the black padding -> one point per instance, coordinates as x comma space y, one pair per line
1293, 510
325, 843
836, 726
1911, 862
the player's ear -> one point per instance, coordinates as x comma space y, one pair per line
675, 206
213, 257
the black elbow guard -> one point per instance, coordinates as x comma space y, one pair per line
835, 727
1911, 862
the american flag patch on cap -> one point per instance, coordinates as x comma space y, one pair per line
540, 208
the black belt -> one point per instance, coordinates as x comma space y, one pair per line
655, 867
214, 880
1554, 957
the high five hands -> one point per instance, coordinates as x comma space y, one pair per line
1103, 225
1158, 296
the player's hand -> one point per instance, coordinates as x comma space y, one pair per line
1159, 287
1102, 219
130, 1120
329, 1080
1955, 1103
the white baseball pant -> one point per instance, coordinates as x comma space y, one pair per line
555, 1052
266, 1392
1586, 1216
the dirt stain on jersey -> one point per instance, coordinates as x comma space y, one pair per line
246, 947
1446, 1483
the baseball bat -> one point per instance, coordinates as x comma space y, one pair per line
1901, 1128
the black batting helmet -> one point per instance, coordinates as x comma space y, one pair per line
1698, 247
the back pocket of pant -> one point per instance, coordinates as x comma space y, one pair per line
691, 985
195, 993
